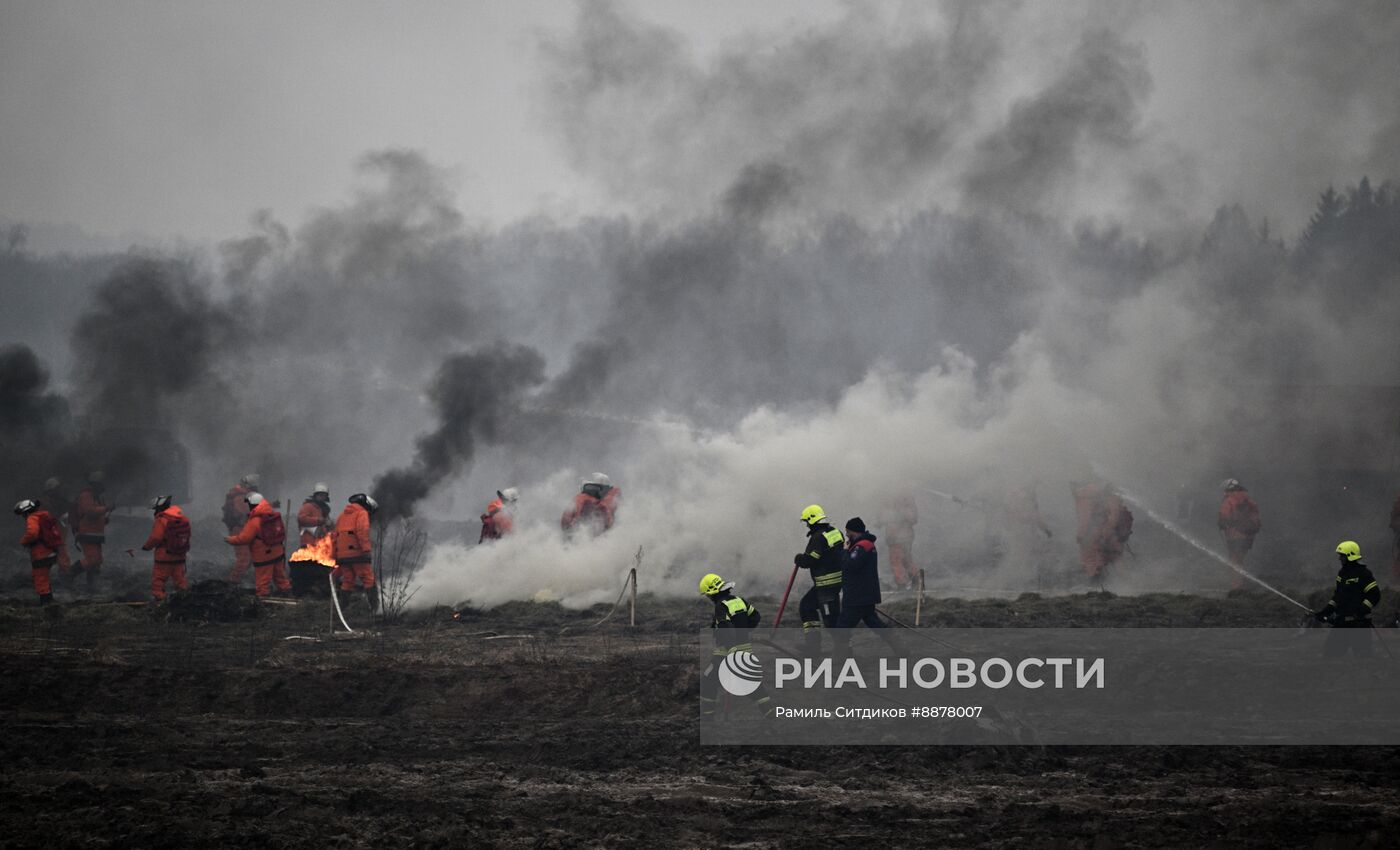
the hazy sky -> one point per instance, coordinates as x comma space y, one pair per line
182, 118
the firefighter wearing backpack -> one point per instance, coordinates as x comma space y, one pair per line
1238, 520
170, 538
1105, 524
43, 537
235, 517
266, 534
89, 522
354, 549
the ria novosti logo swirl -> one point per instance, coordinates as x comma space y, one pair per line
740, 673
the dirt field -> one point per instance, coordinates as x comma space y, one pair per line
522, 727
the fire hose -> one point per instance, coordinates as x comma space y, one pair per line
783, 607
630, 581
335, 600
919, 632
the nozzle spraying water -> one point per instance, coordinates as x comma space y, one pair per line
1184, 535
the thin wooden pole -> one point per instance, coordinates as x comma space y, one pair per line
919, 603
636, 565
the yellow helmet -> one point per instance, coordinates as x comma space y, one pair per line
1350, 549
813, 514
712, 584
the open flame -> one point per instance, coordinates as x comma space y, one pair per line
322, 552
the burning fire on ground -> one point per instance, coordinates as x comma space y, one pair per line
322, 552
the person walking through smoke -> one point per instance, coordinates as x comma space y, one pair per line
170, 538
499, 519
236, 510
266, 534
1105, 524
1238, 521
899, 516
89, 522
594, 507
43, 537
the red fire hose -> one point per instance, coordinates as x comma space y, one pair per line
779, 619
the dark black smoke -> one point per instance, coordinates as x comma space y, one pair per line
475, 397
1095, 100
150, 335
33, 422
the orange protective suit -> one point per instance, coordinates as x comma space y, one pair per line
597, 513
354, 550
235, 517
1105, 524
89, 521
313, 521
899, 539
269, 549
43, 537
1238, 521
170, 538
496, 522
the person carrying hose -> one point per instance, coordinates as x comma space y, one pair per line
1355, 596
733, 620
820, 606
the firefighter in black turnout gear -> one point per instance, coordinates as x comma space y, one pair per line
820, 606
1349, 611
734, 619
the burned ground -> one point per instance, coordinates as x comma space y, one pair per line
524, 726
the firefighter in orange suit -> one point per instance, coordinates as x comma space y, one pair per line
236, 511
901, 515
1238, 521
354, 549
314, 516
594, 507
170, 538
1105, 524
89, 522
266, 535
499, 519
43, 537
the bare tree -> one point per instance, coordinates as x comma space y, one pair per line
400, 548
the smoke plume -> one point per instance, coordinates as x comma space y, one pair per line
475, 396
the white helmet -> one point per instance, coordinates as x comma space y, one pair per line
254, 499
1230, 484
321, 487
252, 479
160, 503
52, 484
510, 494
24, 506
598, 478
